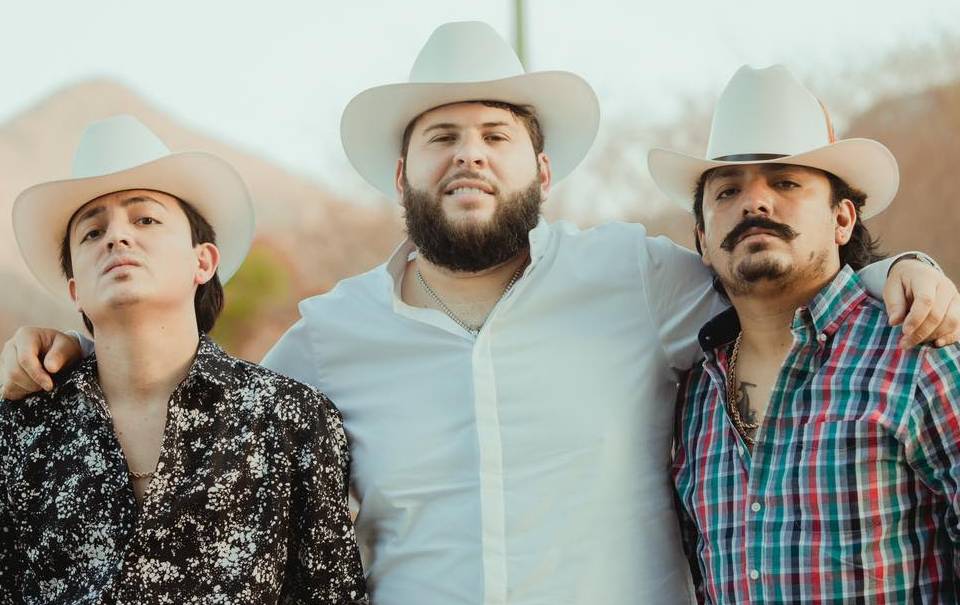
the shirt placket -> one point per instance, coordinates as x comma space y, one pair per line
765, 460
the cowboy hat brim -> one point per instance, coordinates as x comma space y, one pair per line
863, 163
206, 182
372, 125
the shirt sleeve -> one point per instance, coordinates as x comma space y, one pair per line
933, 434
293, 355
324, 561
9, 558
680, 296
874, 275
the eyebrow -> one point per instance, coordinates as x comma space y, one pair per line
451, 126
96, 210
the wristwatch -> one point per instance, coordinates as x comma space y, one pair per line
920, 256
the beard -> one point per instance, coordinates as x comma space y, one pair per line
471, 246
758, 272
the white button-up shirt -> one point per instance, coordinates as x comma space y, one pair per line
528, 465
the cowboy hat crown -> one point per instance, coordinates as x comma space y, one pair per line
768, 116
467, 61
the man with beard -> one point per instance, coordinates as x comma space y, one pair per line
506, 384
817, 461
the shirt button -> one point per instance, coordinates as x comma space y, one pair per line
754, 574
822, 337
740, 450
755, 507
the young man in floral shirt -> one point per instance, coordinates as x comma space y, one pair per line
160, 469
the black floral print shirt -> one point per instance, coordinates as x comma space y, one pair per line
248, 503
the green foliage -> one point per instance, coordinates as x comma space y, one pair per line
261, 284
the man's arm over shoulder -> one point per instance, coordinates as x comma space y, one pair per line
679, 293
932, 433
293, 355
324, 561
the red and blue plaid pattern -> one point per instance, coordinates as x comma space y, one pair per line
852, 492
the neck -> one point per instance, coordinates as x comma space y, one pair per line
766, 316
470, 287
140, 362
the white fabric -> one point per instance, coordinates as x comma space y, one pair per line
528, 465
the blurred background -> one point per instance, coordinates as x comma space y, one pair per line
263, 86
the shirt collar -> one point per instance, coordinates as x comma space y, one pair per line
211, 367
825, 312
539, 238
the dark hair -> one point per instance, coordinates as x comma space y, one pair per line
862, 248
208, 300
524, 113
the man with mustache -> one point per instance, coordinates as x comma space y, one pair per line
160, 469
506, 384
816, 460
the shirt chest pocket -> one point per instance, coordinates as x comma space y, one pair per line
841, 475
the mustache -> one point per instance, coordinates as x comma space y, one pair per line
784, 232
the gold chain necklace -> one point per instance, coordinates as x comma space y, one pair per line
734, 396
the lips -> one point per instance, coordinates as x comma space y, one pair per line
119, 262
756, 232
473, 186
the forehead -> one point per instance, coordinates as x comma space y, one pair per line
128, 198
465, 115
766, 169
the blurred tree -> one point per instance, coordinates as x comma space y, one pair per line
263, 283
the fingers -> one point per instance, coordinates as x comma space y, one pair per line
950, 326
935, 312
29, 372
63, 350
895, 300
16, 382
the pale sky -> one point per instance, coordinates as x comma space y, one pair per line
274, 77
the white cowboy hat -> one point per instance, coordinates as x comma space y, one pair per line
117, 154
767, 116
467, 61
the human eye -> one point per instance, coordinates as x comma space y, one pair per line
787, 184
147, 220
444, 137
496, 137
726, 192
91, 234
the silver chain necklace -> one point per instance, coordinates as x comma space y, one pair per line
473, 330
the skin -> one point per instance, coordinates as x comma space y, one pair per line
135, 275
798, 268
495, 147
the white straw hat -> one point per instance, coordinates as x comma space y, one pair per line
467, 61
117, 154
767, 116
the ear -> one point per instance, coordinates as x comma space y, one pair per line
398, 178
544, 174
72, 289
208, 259
704, 253
845, 217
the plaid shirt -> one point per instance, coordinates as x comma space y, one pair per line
852, 491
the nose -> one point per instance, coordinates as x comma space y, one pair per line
470, 154
118, 235
757, 197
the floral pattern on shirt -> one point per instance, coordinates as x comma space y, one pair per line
248, 503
